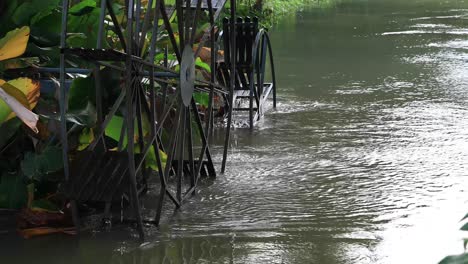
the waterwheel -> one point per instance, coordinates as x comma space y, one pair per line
253, 54
152, 46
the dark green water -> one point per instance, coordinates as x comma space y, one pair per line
364, 160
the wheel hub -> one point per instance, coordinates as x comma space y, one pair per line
187, 75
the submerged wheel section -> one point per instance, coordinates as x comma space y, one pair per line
146, 67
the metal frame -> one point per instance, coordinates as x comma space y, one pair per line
139, 102
249, 46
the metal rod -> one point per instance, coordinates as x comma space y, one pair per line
88, 71
138, 45
232, 84
272, 66
63, 91
169, 30
190, 147
187, 22
102, 17
172, 145
140, 99
109, 116
205, 150
154, 34
195, 19
63, 108
146, 23
115, 21
180, 161
180, 25
212, 73
205, 36
164, 86
130, 130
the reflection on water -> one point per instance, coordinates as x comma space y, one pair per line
363, 161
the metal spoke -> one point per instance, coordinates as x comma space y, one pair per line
205, 36
117, 27
190, 146
195, 19
169, 30
146, 24
212, 73
154, 33
130, 130
232, 84
180, 159
205, 150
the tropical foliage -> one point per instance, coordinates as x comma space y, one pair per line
30, 150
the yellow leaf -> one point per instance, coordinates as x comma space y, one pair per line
12, 104
24, 90
14, 43
30, 88
17, 94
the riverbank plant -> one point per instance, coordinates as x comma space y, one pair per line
462, 258
272, 11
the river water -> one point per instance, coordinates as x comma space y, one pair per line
363, 161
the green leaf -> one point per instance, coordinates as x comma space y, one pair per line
51, 53
84, 117
85, 138
38, 166
46, 30
25, 11
28, 165
113, 131
81, 92
465, 217
7, 16
7, 130
160, 57
458, 259
201, 98
151, 158
19, 63
114, 127
199, 63
82, 8
86, 21
13, 193
464, 227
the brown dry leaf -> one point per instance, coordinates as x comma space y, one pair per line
205, 54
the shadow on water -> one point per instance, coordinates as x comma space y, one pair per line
363, 161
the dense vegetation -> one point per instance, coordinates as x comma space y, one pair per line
271, 11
